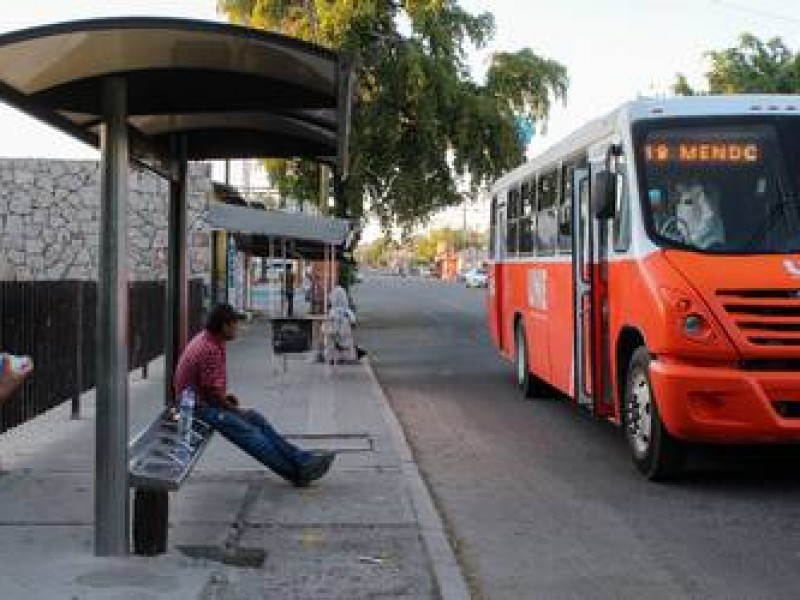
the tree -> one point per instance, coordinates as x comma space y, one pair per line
376, 253
753, 66
681, 86
296, 179
420, 121
427, 246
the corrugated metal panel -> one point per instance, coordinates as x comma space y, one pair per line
279, 224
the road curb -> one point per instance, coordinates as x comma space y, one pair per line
447, 572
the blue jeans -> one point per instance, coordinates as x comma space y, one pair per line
251, 432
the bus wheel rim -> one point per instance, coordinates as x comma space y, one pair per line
641, 414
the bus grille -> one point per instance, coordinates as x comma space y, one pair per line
769, 317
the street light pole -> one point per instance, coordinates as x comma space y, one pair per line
465, 240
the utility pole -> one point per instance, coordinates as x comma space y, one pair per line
464, 228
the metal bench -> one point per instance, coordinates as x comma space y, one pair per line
159, 461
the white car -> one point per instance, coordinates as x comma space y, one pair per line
476, 278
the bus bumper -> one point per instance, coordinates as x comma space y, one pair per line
727, 405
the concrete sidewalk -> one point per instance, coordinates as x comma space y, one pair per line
367, 530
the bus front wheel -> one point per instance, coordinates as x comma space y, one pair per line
656, 454
528, 383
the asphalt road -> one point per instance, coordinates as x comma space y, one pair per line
541, 499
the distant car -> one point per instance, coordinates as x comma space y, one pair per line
476, 278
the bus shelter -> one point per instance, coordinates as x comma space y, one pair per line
161, 92
288, 235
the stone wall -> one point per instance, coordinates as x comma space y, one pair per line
50, 217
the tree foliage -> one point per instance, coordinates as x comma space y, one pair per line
295, 179
423, 248
378, 252
427, 246
420, 120
754, 66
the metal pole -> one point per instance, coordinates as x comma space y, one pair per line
273, 309
111, 506
76, 399
284, 280
326, 280
214, 268
247, 283
176, 320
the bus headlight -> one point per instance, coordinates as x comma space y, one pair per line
689, 317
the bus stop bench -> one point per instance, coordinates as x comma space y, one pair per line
159, 461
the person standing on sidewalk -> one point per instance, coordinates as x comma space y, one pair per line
289, 291
202, 367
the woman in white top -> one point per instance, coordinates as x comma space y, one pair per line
342, 347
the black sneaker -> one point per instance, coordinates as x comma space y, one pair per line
316, 466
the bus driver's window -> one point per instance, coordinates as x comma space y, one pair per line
661, 211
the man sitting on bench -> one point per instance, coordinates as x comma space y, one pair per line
202, 366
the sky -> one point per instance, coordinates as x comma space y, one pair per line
25, 137
618, 50
614, 51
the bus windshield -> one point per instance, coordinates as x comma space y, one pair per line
724, 188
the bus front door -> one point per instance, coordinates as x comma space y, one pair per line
497, 280
589, 250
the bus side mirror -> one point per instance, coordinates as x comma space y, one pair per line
604, 194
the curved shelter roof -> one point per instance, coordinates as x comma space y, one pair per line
233, 92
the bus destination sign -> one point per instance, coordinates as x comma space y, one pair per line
696, 152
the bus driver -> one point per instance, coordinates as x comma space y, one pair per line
698, 213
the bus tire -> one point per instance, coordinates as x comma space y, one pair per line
530, 385
655, 453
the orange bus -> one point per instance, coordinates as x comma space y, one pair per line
648, 266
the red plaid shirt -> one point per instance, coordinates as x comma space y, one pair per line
202, 367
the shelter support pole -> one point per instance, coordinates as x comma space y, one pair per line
176, 321
248, 301
153, 506
273, 309
111, 499
325, 279
284, 281
332, 253
215, 268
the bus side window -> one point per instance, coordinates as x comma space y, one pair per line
546, 221
525, 231
622, 216
512, 217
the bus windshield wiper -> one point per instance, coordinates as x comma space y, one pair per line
778, 209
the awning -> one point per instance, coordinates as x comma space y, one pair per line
309, 234
234, 92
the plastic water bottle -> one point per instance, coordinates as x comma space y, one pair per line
14, 365
186, 407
